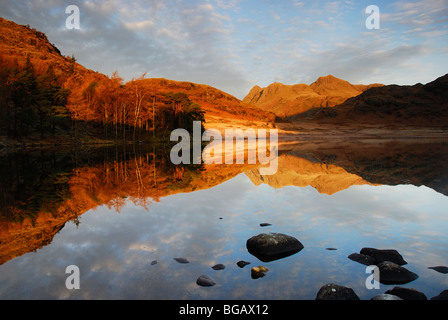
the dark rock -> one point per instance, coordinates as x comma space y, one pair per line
442, 296
385, 296
381, 255
218, 266
242, 263
272, 246
441, 269
153, 262
182, 260
205, 281
265, 224
336, 292
362, 258
392, 273
407, 293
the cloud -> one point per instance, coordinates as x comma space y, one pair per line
361, 61
233, 45
179, 40
298, 4
139, 25
418, 16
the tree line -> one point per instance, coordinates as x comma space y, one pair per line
48, 103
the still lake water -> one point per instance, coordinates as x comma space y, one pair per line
122, 216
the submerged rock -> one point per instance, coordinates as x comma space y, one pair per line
392, 273
218, 266
333, 291
242, 263
441, 269
205, 281
381, 255
407, 293
362, 258
272, 246
265, 224
372, 256
182, 260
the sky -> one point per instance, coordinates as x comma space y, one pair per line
235, 44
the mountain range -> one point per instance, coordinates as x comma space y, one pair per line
291, 100
334, 100
40, 86
416, 105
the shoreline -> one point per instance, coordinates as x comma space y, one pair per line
287, 132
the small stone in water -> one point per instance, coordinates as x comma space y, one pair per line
258, 272
181, 260
441, 269
205, 281
218, 266
242, 263
265, 224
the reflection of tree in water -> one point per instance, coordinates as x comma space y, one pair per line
41, 190
42, 181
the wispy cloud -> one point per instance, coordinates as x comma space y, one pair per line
235, 44
418, 16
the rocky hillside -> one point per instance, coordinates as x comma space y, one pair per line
22, 42
288, 101
425, 105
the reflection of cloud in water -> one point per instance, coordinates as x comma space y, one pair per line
114, 251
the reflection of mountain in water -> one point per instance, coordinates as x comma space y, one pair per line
300, 172
332, 167
42, 190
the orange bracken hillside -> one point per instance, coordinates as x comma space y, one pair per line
214, 102
42, 90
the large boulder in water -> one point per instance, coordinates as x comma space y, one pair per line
392, 273
272, 246
442, 296
333, 291
381, 255
385, 296
407, 293
372, 256
362, 258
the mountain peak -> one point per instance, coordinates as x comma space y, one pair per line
332, 86
330, 77
291, 100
